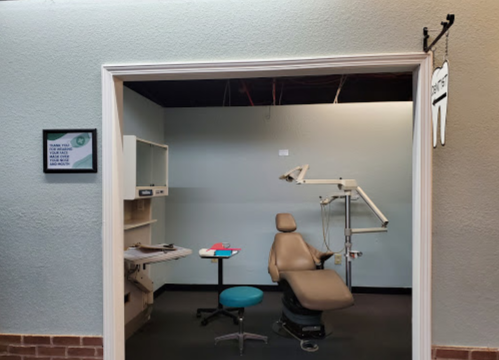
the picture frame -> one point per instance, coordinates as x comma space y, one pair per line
70, 151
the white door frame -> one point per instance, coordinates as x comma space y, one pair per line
112, 165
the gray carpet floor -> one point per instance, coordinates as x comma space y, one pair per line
376, 327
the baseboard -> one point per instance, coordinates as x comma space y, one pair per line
381, 290
206, 287
212, 287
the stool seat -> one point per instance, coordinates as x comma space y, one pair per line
241, 296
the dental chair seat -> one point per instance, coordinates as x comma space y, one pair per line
319, 290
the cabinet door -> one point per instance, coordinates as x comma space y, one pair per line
159, 155
144, 164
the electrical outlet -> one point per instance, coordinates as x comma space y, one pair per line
337, 259
214, 260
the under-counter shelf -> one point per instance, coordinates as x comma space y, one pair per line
138, 220
138, 223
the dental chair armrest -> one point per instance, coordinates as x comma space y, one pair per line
273, 270
320, 257
326, 256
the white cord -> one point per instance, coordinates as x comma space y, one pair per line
326, 219
342, 82
325, 228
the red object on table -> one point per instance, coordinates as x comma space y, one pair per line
220, 246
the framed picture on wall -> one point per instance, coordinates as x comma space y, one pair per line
70, 151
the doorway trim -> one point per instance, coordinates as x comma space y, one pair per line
113, 77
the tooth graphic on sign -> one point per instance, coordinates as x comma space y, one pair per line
439, 100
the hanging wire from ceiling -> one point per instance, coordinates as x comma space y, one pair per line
273, 91
282, 91
340, 86
245, 89
227, 87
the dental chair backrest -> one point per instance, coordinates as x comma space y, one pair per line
289, 251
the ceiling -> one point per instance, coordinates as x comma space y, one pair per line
277, 91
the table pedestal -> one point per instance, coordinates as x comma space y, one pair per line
219, 310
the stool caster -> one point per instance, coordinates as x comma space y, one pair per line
204, 322
198, 315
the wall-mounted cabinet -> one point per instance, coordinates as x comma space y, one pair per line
146, 168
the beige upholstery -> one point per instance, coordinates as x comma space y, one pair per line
285, 222
292, 253
293, 260
319, 289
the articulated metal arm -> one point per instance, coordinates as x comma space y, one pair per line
346, 185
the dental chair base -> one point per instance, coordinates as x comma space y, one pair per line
305, 328
306, 334
302, 323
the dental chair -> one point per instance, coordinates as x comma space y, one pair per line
308, 288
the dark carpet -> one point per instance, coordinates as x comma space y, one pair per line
376, 327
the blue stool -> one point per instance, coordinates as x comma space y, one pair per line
241, 297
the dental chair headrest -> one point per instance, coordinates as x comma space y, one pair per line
285, 222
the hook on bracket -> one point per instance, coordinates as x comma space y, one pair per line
445, 27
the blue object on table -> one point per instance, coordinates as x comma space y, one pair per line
223, 252
241, 296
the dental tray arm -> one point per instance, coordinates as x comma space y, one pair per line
320, 257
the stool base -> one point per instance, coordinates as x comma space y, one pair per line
241, 335
215, 312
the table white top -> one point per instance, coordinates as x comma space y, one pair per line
139, 257
205, 256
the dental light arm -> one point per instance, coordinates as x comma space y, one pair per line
302, 173
346, 185
373, 207
298, 173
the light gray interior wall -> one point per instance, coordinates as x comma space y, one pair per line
224, 186
51, 57
144, 119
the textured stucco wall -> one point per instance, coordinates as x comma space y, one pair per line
50, 58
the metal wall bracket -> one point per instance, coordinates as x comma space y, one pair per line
445, 27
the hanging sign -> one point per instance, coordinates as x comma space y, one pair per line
439, 100
69, 151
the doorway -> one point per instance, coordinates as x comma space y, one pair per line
113, 77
